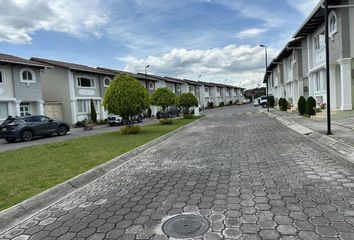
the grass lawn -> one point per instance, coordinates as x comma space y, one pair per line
28, 171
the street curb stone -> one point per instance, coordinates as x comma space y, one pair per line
337, 146
24, 210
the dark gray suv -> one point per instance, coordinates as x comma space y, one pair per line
28, 127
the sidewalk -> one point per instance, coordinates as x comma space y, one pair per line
342, 139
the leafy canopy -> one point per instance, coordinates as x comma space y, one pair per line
187, 100
163, 97
126, 97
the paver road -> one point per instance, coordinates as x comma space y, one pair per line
250, 176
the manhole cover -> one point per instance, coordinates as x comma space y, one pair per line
185, 226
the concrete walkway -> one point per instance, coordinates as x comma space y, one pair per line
248, 175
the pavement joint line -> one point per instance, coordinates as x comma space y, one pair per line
330, 143
11, 217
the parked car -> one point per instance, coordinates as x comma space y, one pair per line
28, 127
263, 100
171, 111
118, 120
256, 102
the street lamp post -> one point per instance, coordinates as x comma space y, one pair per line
266, 62
327, 69
199, 77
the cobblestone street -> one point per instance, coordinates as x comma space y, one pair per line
250, 176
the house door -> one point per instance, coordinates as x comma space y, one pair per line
25, 109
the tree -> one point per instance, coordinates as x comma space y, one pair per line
93, 112
311, 106
163, 97
271, 101
187, 100
301, 105
126, 97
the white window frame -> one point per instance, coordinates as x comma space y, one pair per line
191, 89
332, 15
93, 84
25, 80
23, 113
317, 41
151, 85
104, 81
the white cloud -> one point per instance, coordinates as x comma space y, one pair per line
239, 64
250, 33
303, 6
20, 19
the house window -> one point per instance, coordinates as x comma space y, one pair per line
4, 111
25, 109
1, 77
106, 81
206, 89
320, 41
191, 88
178, 87
85, 82
83, 106
151, 86
27, 76
318, 81
332, 23
218, 89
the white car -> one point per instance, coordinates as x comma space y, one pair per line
256, 102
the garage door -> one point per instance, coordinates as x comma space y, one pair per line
53, 110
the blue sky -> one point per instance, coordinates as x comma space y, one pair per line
181, 38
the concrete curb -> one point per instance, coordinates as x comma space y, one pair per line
26, 209
337, 146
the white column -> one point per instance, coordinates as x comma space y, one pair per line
73, 104
346, 83
18, 113
40, 107
311, 87
332, 84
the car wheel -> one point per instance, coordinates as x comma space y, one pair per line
62, 130
10, 140
27, 135
264, 105
169, 115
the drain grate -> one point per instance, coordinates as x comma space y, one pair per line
185, 226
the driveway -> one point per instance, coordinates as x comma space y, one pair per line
249, 176
74, 133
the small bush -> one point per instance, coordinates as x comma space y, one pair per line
102, 121
230, 103
210, 105
283, 104
271, 101
221, 104
127, 130
149, 113
301, 105
80, 124
188, 116
311, 106
289, 104
166, 121
322, 106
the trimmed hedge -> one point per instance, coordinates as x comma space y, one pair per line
311, 106
301, 104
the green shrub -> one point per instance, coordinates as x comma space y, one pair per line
221, 104
230, 103
93, 112
80, 124
271, 101
149, 113
283, 104
311, 106
166, 121
301, 105
188, 116
127, 130
210, 105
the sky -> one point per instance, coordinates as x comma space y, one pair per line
217, 39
